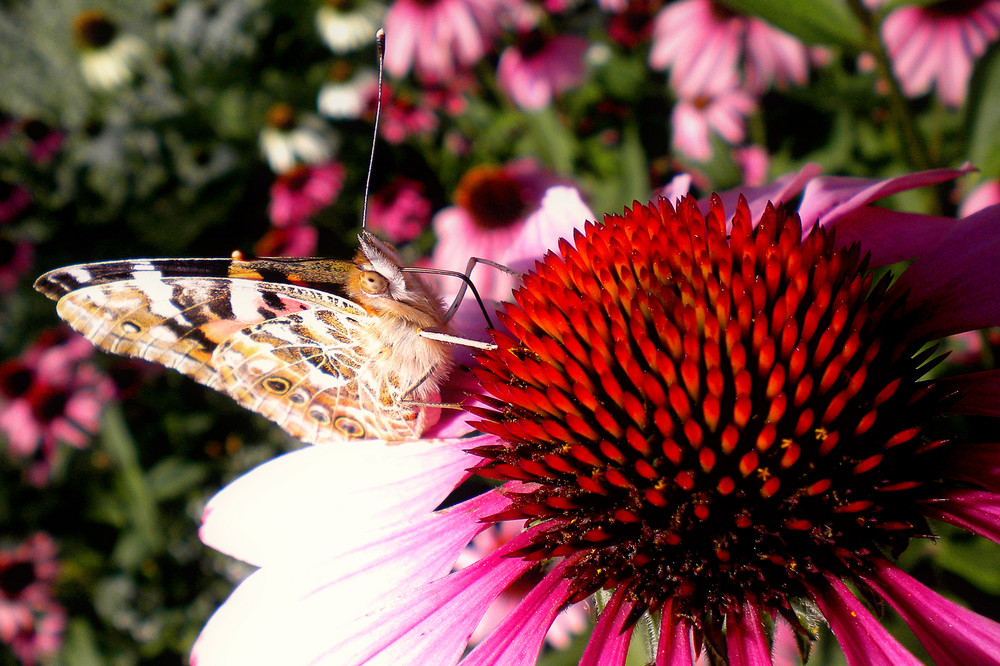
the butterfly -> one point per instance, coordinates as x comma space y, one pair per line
329, 350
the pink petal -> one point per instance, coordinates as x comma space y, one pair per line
831, 198
290, 609
956, 287
562, 212
975, 510
976, 464
674, 648
518, 639
430, 624
745, 638
321, 499
892, 236
608, 644
950, 633
862, 637
781, 190
976, 392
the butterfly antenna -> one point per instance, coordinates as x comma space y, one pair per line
380, 49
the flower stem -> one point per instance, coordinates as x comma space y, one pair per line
913, 145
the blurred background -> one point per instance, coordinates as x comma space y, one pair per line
199, 127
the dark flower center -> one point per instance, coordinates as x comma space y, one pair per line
93, 29
15, 379
532, 42
707, 414
15, 578
280, 116
492, 197
949, 8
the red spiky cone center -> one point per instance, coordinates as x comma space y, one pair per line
706, 413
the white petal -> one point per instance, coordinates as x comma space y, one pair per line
323, 499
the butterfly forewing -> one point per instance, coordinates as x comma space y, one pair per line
262, 332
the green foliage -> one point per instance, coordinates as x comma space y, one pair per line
169, 164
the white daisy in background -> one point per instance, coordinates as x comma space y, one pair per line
346, 25
108, 57
287, 142
343, 94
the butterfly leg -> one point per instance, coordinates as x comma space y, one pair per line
406, 400
466, 283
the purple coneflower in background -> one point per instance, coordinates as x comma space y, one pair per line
31, 621
52, 393
938, 43
496, 208
540, 66
435, 38
400, 211
712, 415
298, 194
701, 41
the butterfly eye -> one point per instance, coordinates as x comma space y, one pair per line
372, 283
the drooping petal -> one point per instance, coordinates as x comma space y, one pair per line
674, 648
950, 633
976, 393
975, 510
287, 613
745, 638
608, 644
518, 639
429, 624
890, 236
977, 464
862, 637
829, 199
956, 287
783, 189
296, 503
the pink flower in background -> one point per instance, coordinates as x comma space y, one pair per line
297, 240
938, 44
598, 423
16, 259
753, 162
403, 116
570, 622
44, 142
51, 394
14, 198
400, 211
436, 38
31, 622
298, 194
706, 47
493, 208
984, 195
693, 121
632, 23
540, 66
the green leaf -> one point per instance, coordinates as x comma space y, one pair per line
80, 646
984, 115
172, 477
828, 22
117, 442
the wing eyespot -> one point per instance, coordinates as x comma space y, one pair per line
349, 427
278, 385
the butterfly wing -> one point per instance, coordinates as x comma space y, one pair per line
311, 373
244, 336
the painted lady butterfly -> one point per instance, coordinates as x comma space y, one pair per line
329, 350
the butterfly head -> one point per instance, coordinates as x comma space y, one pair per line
380, 285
